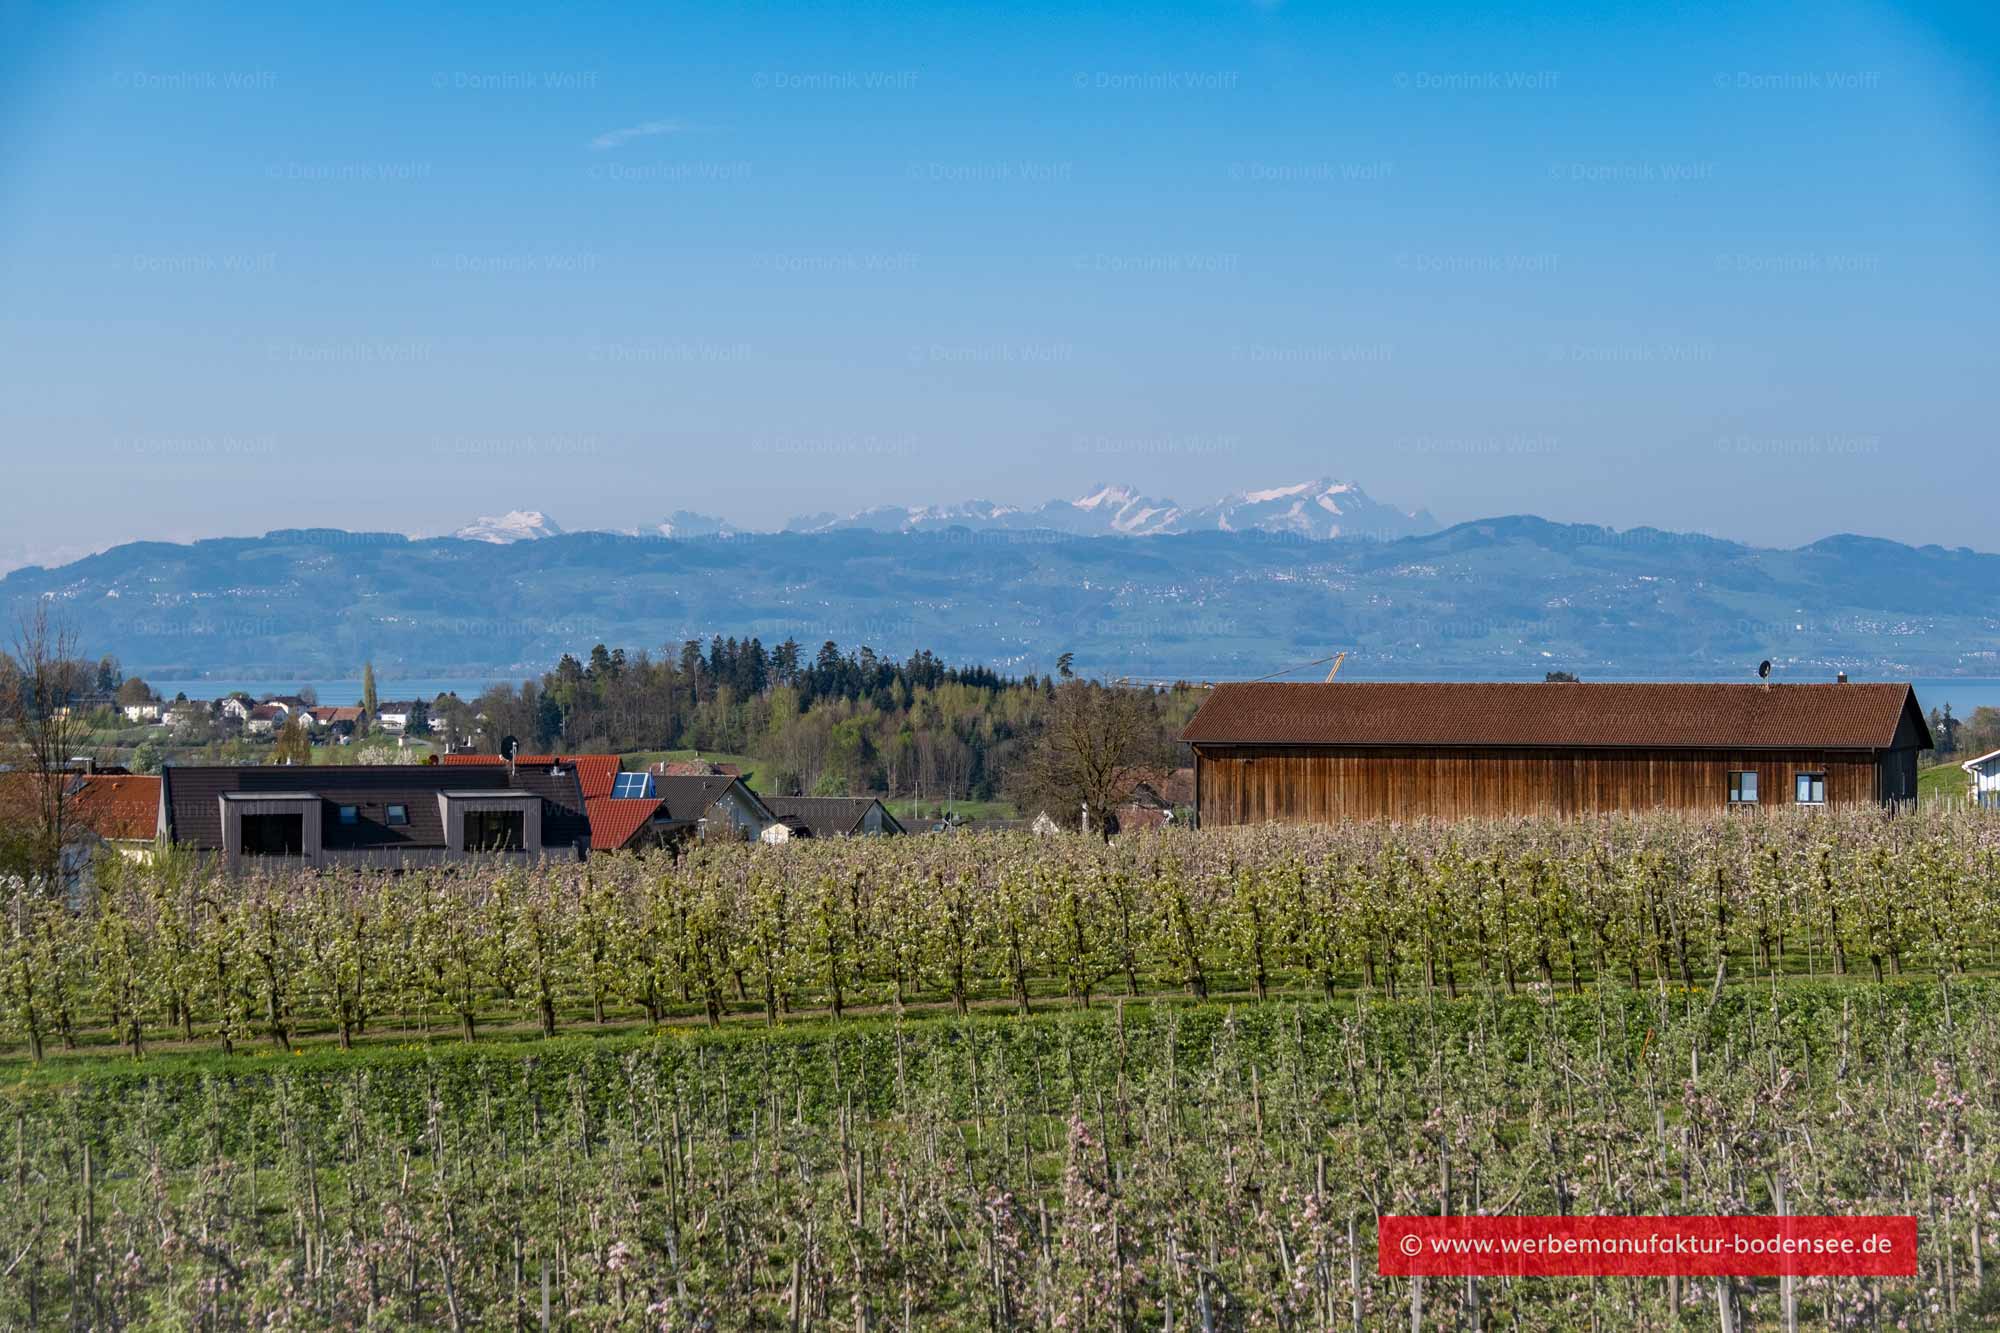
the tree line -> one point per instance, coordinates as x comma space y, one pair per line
837, 722
1960, 738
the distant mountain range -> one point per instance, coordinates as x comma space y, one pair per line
1316, 510
1495, 598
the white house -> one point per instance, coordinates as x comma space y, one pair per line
392, 716
148, 711
184, 713
1985, 774
265, 719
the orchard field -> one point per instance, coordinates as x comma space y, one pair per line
1003, 1082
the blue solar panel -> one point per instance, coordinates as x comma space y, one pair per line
633, 786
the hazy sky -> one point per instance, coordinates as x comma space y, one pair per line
1724, 266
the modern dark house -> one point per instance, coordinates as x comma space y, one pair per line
1298, 753
398, 816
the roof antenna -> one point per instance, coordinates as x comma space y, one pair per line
1338, 658
1764, 672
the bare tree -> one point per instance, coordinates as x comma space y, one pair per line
1092, 744
42, 684
294, 745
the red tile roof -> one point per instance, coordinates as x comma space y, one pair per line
118, 806
1651, 716
615, 821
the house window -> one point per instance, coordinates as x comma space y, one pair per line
1811, 789
350, 814
1743, 787
495, 831
398, 815
274, 835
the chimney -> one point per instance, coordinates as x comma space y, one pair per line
1840, 678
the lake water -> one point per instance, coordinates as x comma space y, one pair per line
332, 693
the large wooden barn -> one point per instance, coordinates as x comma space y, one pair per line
1320, 753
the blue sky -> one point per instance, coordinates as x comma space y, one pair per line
1726, 267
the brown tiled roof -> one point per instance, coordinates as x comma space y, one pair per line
118, 805
111, 805
1651, 716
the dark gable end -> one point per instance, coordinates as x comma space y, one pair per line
1913, 732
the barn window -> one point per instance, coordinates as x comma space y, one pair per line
349, 815
1812, 789
1743, 787
399, 814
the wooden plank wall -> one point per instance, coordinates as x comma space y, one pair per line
1258, 784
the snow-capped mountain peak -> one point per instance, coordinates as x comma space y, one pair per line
1106, 495
516, 525
1277, 493
1316, 510
687, 523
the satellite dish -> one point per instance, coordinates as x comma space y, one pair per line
1764, 669
508, 744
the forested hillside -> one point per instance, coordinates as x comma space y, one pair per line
828, 722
